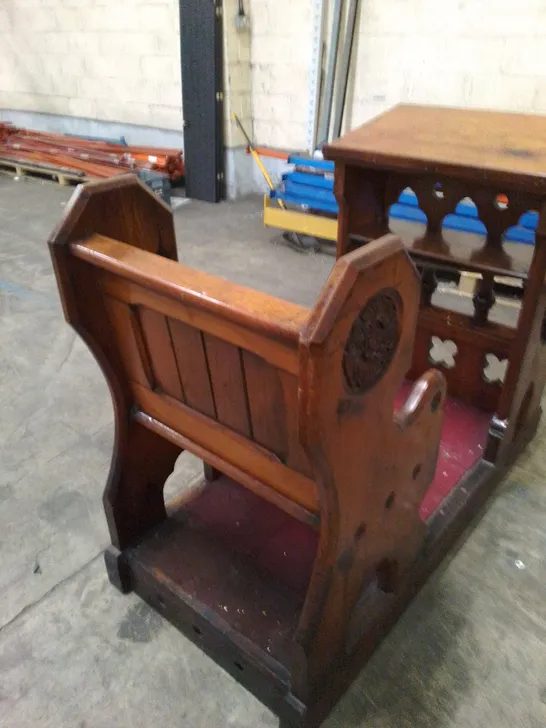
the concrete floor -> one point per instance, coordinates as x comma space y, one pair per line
469, 653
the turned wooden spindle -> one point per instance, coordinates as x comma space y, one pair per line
483, 299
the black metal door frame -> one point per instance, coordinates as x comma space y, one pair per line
202, 61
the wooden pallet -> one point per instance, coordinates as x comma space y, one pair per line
62, 176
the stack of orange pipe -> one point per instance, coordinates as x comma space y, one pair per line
85, 157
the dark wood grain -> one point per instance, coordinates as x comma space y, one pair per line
193, 368
120, 208
266, 405
157, 336
217, 465
296, 457
379, 530
508, 149
126, 325
215, 306
228, 384
281, 320
210, 440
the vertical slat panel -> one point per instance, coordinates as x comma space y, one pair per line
481, 394
192, 364
228, 385
296, 456
466, 381
266, 404
131, 344
160, 349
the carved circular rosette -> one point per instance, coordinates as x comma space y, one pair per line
372, 341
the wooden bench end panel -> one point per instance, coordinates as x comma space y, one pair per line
122, 208
372, 465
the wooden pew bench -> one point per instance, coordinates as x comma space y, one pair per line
309, 535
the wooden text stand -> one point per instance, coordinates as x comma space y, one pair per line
445, 155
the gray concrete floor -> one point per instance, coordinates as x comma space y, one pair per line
470, 652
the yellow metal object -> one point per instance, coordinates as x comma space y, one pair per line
282, 218
263, 170
256, 158
299, 222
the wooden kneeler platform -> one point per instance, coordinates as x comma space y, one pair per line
332, 486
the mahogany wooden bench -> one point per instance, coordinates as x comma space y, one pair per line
325, 504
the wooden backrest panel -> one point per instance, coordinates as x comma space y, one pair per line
228, 384
185, 342
158, 338
121, 208
254, 320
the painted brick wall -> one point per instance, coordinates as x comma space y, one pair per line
475, 53
114, 60
237, 75
478, 53
118, 60
280, 61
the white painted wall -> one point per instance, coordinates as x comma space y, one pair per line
239, 167
478, 53
280, 62
113, 60
119, 61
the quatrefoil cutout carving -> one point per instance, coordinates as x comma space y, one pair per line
443, 353
494, 370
